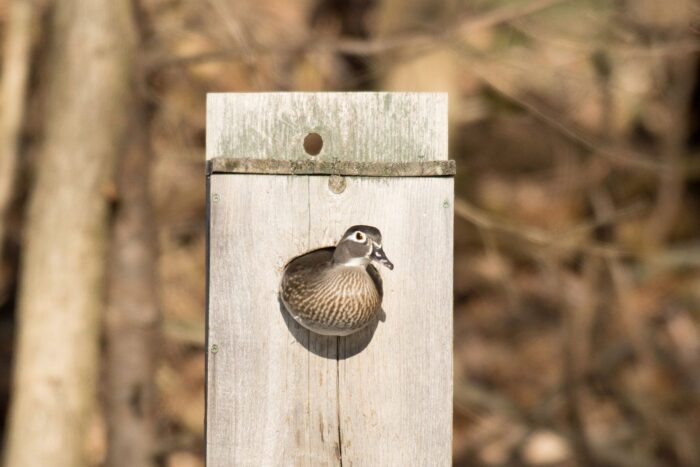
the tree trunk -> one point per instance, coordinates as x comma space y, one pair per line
61, 284
21, 19
132, 319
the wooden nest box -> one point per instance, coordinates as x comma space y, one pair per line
278, 394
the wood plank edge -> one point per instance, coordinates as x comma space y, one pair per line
230, 165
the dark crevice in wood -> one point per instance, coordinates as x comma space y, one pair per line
337, 399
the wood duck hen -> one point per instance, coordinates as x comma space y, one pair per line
336, 291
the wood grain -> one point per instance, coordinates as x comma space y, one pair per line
265, 389
280, 395
362, 127
395, 398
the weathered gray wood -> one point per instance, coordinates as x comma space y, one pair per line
362, 127
314, 167
266, 393
278, 394
395, 397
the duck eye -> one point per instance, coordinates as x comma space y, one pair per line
359, 236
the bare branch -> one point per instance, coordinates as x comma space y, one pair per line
370, 47
574, 239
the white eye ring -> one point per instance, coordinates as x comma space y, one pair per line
358, 236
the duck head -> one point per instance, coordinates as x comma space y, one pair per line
360, 245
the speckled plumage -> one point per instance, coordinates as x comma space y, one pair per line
331, 297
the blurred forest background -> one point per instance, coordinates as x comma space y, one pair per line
576, 127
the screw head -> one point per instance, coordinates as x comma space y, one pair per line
215, 197
214, 348
446, 204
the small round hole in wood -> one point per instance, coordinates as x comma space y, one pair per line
313, 143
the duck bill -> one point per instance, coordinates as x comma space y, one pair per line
379, 256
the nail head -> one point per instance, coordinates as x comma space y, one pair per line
337, 184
